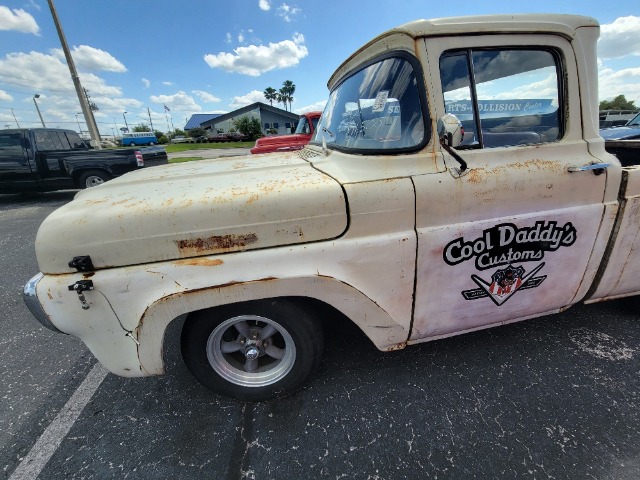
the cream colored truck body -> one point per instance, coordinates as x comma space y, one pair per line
405, 245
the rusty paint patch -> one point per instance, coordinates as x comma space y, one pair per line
200, 262
223, 242
477, 175
397, 346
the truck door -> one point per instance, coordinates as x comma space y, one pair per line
515, 234
15, 172
52, 154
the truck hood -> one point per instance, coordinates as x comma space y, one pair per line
194, 209
620, 133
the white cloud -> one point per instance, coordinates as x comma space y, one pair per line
254, 60
90, 58
620, 38
205, 96
314, 107
251, 97
241, 37
18, 20
612, 83
4, 96
228, 38
180, 103
264, 5
287, 12
168, 84
146, 82
48, 75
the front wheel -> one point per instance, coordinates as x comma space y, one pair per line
253, 351
93, 178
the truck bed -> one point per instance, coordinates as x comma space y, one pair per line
627, 151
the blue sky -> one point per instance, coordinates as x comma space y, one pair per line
211, 56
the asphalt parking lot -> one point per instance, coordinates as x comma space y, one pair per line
555, 397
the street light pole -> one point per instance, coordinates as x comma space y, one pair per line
125, 121
37, 95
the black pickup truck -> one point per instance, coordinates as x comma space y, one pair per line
47, 159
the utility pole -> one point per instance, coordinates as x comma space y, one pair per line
149, 112
14, 117
84, 103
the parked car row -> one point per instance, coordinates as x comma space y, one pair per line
222, 137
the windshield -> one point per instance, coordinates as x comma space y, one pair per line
377, 108
303, 126
634, 122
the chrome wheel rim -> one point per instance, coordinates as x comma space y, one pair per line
251, 351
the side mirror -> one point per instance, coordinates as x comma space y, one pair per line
450, 130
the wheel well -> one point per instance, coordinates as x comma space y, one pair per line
331, 319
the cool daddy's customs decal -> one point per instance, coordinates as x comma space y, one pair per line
507, 245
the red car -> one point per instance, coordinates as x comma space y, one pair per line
296, 141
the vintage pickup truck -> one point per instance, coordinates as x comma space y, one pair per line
392, 216
296, 141
47, 159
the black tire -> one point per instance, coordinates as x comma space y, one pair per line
93, 178
132, 144
151, 144
221, 357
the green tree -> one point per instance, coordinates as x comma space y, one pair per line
270, 94
618, 103
162, 139
141, 128
197, 132
248, 126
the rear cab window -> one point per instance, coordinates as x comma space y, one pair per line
503, 96
378, 109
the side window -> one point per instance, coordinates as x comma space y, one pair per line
10, 148
503, 97
75, 140
62, 140
47, 140
44, 141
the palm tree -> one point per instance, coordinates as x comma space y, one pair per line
270, 94
289, 88
282, 97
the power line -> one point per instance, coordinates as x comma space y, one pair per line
30, 81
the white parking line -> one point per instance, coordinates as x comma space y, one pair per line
52, 437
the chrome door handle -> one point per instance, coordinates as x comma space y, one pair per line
597, 168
